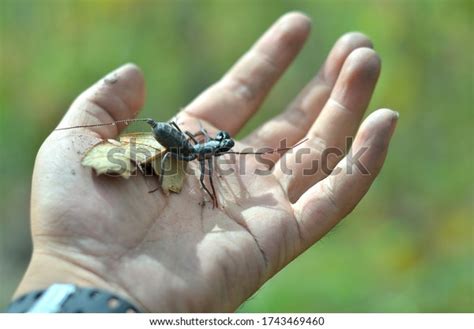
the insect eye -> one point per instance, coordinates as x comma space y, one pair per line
221, 135
228, 144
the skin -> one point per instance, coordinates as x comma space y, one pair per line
171, 253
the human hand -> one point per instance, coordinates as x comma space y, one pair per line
170, 253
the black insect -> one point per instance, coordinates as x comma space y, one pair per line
185, 147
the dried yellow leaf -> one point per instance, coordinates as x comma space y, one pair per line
174, 171
143, 147
121, 157
108, 158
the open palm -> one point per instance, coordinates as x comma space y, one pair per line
172, 253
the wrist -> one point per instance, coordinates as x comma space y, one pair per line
45, 270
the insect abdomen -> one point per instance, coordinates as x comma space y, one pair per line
171, 138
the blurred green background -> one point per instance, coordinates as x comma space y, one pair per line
408, 247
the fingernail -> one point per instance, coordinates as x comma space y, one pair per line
396, 115
393, 123
111, 78
114, 76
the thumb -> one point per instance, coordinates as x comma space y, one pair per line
118, 96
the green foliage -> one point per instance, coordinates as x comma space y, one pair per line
408, 247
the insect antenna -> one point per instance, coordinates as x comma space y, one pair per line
127, 121
271, 151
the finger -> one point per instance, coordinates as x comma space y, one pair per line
337, 122
118, 96
293, 124
236, 97
326, 203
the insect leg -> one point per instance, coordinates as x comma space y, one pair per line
162, 167
206, 134
154, 190
174, 124
203, 131
187, 133
192, 136
203, 169
211, 171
